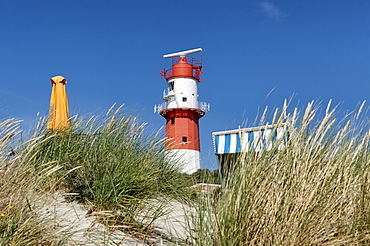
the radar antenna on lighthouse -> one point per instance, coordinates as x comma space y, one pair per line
182, 110
182, 53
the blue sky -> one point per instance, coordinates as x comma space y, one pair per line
111, 52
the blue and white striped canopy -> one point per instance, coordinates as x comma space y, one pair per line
249, 139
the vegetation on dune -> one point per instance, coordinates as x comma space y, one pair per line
112, 164
206, 176
108, 162
315, 191
20, 186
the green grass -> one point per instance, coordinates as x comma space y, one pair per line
109, 162
112, 164
313, 192
20, 186
206, 176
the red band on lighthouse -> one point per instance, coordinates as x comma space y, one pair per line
182, 128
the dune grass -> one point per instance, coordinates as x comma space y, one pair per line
315, 191
110, 163
20, 186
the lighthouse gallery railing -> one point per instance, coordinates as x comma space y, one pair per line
201, 105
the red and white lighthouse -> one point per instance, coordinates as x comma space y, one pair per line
182, 110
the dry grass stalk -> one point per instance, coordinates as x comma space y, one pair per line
313, 192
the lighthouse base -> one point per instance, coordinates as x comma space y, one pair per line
187, 160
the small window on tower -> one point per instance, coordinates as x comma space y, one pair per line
184, 99
171, 85
184, 140
172, 120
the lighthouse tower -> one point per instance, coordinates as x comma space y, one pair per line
182, 110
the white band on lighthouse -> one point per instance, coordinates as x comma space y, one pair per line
187, 160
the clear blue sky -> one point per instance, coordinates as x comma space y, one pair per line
111, 52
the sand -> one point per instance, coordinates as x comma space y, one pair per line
72, 220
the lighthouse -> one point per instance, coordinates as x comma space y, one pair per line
182, 110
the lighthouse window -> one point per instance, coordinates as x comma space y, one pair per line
171, 85
184, 140
172, 120
184, 99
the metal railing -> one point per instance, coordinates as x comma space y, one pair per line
206, 107
192, 61
168, 93
195, 62
197, 74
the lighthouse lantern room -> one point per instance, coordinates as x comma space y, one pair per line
182, 110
